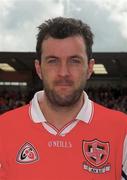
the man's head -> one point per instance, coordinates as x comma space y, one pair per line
64, 50
61, 28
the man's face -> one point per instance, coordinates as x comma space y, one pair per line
64, 69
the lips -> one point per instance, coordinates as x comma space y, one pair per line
64, 83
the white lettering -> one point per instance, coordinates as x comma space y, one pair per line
97, 170
60, 144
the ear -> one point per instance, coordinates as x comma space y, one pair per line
90, 67
38, 68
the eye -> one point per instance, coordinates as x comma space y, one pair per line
75, 61
52, 61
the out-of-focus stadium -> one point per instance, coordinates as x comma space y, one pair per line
18, 80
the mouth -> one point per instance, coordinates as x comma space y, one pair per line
64, 83
63, 87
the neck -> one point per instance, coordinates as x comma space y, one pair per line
59, 116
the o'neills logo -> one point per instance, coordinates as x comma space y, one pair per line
60, 144
96, 155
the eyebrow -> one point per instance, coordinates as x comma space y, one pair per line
76, 56
73, 56
51, 56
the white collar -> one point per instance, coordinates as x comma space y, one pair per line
37, 116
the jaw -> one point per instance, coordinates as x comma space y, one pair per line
63, 98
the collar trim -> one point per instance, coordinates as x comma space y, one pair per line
85, 114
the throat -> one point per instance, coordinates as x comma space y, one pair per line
60, 116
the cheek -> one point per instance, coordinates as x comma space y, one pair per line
81, 74
80, 79
48, 78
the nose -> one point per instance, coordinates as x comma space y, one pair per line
63, 70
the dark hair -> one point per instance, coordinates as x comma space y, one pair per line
61, 27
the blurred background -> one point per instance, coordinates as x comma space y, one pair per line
19, 20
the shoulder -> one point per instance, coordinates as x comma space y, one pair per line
14, 115
102, 109
110, 115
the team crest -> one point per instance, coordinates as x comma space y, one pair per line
27, 154
96, 154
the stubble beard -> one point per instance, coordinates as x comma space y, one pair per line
61, 100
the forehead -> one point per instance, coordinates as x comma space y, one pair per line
69, 44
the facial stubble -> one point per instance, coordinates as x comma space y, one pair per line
64, 100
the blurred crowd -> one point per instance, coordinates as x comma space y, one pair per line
11, 99
113, 98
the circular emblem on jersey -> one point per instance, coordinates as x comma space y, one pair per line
27, 154
96, 154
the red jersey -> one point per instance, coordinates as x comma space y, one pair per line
92, 151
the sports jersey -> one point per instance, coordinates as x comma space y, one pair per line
92, 146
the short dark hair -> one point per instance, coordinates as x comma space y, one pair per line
62, 27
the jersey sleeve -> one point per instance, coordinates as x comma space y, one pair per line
3, 174
124, 162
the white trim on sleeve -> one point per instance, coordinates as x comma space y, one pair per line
124, 163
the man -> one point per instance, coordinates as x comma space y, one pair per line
62, 134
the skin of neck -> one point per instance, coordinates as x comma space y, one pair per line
59, 116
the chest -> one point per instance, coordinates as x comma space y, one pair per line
85, 152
